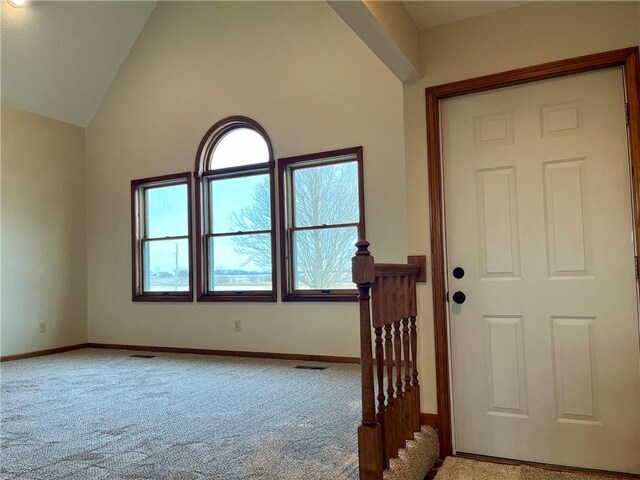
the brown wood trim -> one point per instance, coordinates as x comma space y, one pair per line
632, 85
216, 132
421, 261
546, 466
137, 293
198, 351
395, 269
201, 245
560, 68
310, 157
287, 292
627, 58
208, 142
320, 297
247, 296
235, 234
429, 419
40, 353
274, 252
438, 278
168, 297
228, 353
199, 240
434, 470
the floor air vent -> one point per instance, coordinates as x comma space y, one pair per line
306, 367
143, 356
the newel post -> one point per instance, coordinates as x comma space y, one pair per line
369, 432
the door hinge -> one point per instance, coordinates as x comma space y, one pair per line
626, 113
636, 261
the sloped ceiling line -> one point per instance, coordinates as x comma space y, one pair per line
59, 58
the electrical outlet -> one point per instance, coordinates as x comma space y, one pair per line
43, 327
236, 325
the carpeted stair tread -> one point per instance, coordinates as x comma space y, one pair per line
416, 459
456, 468
531, 473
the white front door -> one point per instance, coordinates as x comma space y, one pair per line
545, 348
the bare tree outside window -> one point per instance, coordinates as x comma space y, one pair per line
326, 213
255, 216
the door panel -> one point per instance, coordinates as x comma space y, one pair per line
505, 365
498, 223
545, 349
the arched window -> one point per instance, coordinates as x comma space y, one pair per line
235, 213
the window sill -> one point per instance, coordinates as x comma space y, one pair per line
163, 298
320, 297
246, 297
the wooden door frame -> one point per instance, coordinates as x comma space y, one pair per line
629, 59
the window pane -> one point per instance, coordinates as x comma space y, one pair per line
326, 195
167, 212
166, 266
241, 204
241, 146
322, 258
240, 262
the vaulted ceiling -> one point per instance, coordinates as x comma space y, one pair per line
59, 58
433, 13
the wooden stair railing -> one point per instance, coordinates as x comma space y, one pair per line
387, 296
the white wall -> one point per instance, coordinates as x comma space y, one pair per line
298, 70
44, 233
518, 37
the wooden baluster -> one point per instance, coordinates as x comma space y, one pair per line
369, 433
378, 306
407, 396
397, 347
380, 369
381, 395
415, 386
408, 391
388, 350
390, 415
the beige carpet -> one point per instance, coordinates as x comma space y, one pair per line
416, 459
105, 415
455, 468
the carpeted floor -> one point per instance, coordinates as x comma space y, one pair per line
101, 414
455, 468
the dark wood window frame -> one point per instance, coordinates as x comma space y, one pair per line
204, 175
285, 169
629, 60
137, 241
